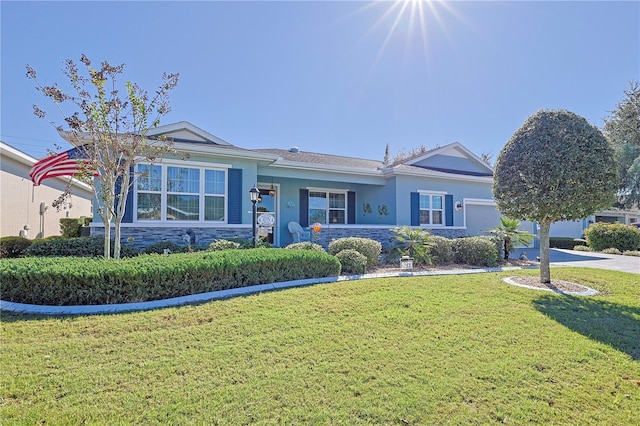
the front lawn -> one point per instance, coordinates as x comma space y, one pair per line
464, 349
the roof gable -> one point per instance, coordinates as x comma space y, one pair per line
452, 158
183, 131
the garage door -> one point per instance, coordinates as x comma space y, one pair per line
480, 218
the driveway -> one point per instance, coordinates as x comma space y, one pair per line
559, 257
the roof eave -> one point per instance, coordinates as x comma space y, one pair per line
441, 175
325, 168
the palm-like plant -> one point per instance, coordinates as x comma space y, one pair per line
510, 232
413, 242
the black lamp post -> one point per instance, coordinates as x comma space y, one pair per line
254, 193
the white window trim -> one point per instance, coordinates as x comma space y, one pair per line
431, 210
332, 191
202, 166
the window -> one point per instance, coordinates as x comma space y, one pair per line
431, 209
327, 207
149, 192
183, 193
214, 195
168, 193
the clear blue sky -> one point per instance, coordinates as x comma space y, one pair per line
342, 77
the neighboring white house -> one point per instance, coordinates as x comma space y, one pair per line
26, 209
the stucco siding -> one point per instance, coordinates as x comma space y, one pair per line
20, 201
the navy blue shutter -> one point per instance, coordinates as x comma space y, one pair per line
415, 209
304, 207
128, 208
448, 209
351, 207
234, 196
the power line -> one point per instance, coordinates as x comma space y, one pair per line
30, 139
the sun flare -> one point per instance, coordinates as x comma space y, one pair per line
416, 19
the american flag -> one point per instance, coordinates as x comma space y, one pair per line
68, 163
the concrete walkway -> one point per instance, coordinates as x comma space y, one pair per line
559, 257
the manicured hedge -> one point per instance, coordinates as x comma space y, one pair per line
82, 246
367, 247
91, 281
567, 243
352, 261
601, 236
478, 251
441, 250
13, 246
306, 245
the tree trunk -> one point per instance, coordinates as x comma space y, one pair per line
545, 272
107, 237
507, 250
116, 239
121, 207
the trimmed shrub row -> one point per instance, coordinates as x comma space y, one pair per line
352, 261
601, 236
478, 251
306, 245
89, 281
81, 247
566, 243
369, 248
13, 246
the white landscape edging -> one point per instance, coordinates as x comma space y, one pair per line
588, 292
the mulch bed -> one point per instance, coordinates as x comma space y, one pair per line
554, 285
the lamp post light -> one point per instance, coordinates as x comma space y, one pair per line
254, 193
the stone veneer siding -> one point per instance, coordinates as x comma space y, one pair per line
144, 236
383, 235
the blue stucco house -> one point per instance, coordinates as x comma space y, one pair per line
204, 189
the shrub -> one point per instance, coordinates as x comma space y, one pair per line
480, 251
611, 250
248, 243
352, 261
601, 236
306, 245
508, 230
70, 227
441, 250
582, 248
218, 245
413, 242
632, 253
91, 281
81, 247
13, 246
567, 243
367, 247
159, 248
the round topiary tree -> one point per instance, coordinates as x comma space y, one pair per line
555, 167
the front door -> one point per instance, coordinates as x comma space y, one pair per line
267, 214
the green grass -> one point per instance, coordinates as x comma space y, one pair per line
427, 350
